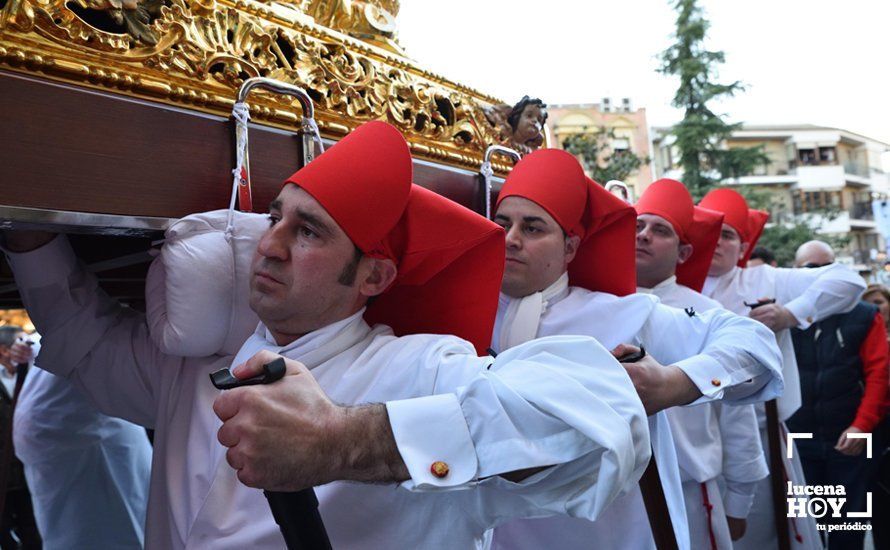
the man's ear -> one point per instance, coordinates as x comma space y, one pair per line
685, 252
379, 277
572, 244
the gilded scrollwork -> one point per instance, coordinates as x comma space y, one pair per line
133, 16
200, 51
223, 45
18, 15
370, 20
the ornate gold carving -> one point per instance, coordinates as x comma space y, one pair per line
198, 52
370, 20
224, 45
135, 15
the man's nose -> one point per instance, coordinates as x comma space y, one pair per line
514, 239
272, 244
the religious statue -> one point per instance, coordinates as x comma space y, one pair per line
520, 127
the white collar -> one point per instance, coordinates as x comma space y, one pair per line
318, 346
714, 284
670, 282
523, 315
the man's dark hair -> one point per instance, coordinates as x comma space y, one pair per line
513, 117
350, 270
763, 253
8, 335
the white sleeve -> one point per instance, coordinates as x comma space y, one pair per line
103, 347
560, 401
814, 294
738, 498
744, 463
726, 356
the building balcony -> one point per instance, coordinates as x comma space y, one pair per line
861, 211
784, 179
857, 169
822, 178
861, 256
826, 177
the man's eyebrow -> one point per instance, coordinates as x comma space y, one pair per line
317, 223
526, 219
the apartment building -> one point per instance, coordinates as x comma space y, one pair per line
827, 175
628, 123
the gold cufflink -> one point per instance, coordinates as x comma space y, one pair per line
439, 469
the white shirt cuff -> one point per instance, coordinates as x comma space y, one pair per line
738, 505
803, 310
431, 430
708, 375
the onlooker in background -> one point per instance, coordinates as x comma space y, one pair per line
88, 472
17, 527
842, 362
762, 255
879, 295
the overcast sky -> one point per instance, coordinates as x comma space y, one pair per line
804, 61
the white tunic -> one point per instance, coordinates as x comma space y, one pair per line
88, 473
713, 439
811, 295
714, 346
538, 405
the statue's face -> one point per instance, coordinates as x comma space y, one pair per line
531, 126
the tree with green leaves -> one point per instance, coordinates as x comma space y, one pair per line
600, 160
701, 135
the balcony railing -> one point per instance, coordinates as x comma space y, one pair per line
849, 167
856, 169
861, 256
861, 211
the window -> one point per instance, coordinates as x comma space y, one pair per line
620, 145
667, 157
807, 157
817, 201
827, 155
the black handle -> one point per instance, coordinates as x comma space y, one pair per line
297, 516
272, 372
295, 513
633, 356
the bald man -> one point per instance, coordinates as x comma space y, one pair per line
814, 253
838, 357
